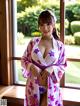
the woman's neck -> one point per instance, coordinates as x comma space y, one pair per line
47, 37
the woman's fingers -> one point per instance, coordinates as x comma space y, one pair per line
42, 81
43, 78
44, 74
34, 71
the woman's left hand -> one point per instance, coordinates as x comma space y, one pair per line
43, 78
44, 74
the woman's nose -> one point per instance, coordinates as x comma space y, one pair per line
45, 27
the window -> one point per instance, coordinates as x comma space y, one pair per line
20, 42
72, 44
25, 27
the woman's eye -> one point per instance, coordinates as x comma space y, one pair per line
48, 23
41, 24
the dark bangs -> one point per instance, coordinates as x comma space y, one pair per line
45, 17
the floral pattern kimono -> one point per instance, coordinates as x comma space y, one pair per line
54, 63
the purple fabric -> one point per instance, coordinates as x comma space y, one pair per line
43, 67
33, 88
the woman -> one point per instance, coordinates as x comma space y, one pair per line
43, 64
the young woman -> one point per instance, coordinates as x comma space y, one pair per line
43, 64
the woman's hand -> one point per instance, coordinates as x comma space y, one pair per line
44, 73
34, 70
43, 76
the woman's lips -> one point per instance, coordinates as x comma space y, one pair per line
45, 32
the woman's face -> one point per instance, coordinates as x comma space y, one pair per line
47, 29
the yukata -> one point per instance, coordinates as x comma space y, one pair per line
54, 63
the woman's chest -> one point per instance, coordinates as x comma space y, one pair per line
45, 47
45, 53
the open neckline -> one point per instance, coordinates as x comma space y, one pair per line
48, 51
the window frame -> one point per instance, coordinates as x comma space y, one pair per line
7, 42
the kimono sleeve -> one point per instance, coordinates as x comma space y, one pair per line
59, 69
26, 60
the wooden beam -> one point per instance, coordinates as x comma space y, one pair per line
62, 32
62, 20
4, 43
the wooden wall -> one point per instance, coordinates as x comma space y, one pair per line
2, 36
4, 43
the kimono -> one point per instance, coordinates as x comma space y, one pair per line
54, 63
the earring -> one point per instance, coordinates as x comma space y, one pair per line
54, 29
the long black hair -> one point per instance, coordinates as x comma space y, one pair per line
46, 16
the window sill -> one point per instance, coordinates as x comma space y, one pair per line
16, 94
71, 94
12, 91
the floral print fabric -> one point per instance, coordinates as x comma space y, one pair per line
54, 62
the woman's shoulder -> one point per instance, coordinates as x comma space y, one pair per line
35, 39
60, 43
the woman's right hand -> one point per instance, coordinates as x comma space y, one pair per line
42, 80
34, 70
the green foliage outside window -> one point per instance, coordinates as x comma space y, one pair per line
75, 26
77, 38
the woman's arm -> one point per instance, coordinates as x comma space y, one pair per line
35, 71
56, 71
26, 62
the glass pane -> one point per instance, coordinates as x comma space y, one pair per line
72, 74
18, 77
72, 28
26, 26
72, 42
72, 51
26, 21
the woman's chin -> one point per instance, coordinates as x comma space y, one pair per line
46, 34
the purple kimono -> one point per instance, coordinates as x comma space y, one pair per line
54, 63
